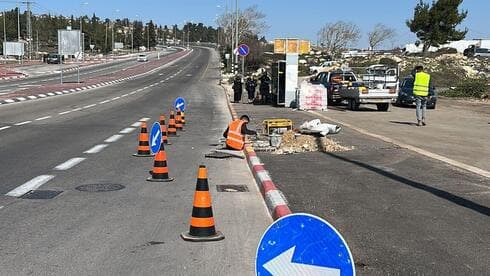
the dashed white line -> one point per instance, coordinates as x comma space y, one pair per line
30, 185
113, 138
76, 109
104, 102
90, 105
134, 92
145, 119
137, 124
65, 112
127, 130
116, 98
96, 149
23, 123
43, 118
124, 95
69, 164
5, 127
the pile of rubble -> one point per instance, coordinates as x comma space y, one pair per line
293, 142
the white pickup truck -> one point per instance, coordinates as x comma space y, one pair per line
376, 88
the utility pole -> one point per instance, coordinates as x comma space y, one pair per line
18, 22
29, 29
4, 29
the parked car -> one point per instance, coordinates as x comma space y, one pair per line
54, 58
406, 97
142, 58
333, 81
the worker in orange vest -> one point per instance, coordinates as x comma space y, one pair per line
236, 131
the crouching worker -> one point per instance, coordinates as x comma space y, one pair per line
235, 133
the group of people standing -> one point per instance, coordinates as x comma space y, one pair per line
251, 84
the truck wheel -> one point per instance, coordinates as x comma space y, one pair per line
353, 105
383, 106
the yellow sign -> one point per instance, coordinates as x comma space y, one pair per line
292, 46
304, 47
279, 46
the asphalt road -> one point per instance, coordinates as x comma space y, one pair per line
89, 71
400, 212
89, 138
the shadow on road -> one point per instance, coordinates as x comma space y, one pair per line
437, 192
404, 123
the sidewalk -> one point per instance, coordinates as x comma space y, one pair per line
400, 212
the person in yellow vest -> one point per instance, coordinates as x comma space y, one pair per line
422, 88
236, 131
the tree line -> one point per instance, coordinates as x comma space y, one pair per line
100, 32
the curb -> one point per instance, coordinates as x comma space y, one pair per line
77, 89
20, 76
275, 200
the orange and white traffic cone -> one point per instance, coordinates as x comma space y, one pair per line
160, 168
143, 143
182, 116
202, 221
172, 130
163, 129
178, 121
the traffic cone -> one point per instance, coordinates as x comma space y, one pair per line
172, 131
163, 128
202, 220
178, 121
160, 169
143, 143
182, 115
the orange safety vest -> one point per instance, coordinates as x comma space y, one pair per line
235, 139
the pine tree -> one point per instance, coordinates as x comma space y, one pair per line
435, 25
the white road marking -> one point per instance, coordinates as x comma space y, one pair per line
69, 164
90, 105
21, 99
65, 112
30, 185
43, 118
1, 207
96, 149
23, 123
414, 149
134, 92
104, 102
113, 138
5, 127
32, 97
145, 119
137, 124
124, 95
127, 130
116, 98
76, 109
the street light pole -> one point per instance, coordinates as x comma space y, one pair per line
18, 23
4, 29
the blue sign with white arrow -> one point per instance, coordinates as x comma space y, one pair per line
303, 244
155, 138
243, 50
179, 103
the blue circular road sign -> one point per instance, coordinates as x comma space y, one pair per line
243, 50
179, 103
303, 244
155, 138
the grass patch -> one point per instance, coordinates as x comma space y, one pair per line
469, 88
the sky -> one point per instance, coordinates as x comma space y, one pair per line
296, 19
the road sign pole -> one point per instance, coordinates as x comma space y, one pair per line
243, 78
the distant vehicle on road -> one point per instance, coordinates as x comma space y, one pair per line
142, 58
475, 51
54, 58
406, 97
322, 67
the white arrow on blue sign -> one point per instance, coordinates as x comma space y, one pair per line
303, 244
243, 50
155, 138
179, 103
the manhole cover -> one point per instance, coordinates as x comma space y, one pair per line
41, 194
232, 188
94, 188
218, 155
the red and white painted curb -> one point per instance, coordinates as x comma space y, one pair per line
19, 76
275, 200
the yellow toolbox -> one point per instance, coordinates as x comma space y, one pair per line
282, 124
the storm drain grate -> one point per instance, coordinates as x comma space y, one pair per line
95, 188
232, 188
41, 194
